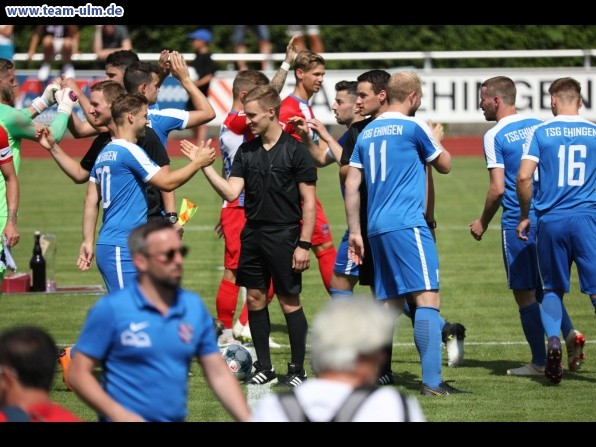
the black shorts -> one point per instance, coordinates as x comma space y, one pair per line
366, 270
267, 254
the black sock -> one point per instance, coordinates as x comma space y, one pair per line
260, 328
389, 353
297, 330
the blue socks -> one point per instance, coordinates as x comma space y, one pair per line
531, 323
427, 337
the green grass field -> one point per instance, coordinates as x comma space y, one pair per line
473, 290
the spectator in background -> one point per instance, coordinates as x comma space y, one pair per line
204, 71
6, 41
27, 363
314, 37
348, 338
63, 39
150, 333
108, 39
264, 39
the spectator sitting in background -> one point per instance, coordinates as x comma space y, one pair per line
314, 37
6, 42
264, 39
28, 357
204, 71
63, 39
108, 39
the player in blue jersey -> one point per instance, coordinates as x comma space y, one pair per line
145, 337
118, 180
390, 156
345, 272
503, 146
563, 150
143, 78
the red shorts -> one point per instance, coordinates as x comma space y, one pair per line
322, 232
232, 222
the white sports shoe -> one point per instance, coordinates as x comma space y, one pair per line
453, 335
226, 338
68, 71
44, 72
527, 370
246, 337
237, 329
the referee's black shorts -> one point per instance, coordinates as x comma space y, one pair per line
267, 254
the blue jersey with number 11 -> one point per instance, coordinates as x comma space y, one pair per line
393, 151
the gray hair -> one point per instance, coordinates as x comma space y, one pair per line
347, 328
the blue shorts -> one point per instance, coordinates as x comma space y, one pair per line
115, 265
562, 240
520, 259
405, 261
343, 264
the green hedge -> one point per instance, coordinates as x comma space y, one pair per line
360, 38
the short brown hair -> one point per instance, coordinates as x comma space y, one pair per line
129, 103
110, 89
306, 60
266, 96
246, 80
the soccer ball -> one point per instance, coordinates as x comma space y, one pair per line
239, 360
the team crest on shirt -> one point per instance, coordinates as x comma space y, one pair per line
325, 230
185, 332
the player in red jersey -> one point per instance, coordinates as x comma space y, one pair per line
309, 71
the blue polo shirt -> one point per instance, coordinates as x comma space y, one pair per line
145, 355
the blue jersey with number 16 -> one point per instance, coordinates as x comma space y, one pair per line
565, 149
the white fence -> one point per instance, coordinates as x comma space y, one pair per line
426, 56
450, 96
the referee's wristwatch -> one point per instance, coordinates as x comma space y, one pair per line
172, 217
304, 244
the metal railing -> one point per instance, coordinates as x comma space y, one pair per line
426, 56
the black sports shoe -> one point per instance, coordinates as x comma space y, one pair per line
295, 377
443, 389
553, 370
261, 376
453, 336
386, 378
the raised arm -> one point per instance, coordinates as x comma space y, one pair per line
279, 79
204, 110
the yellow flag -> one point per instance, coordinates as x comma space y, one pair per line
187, 210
